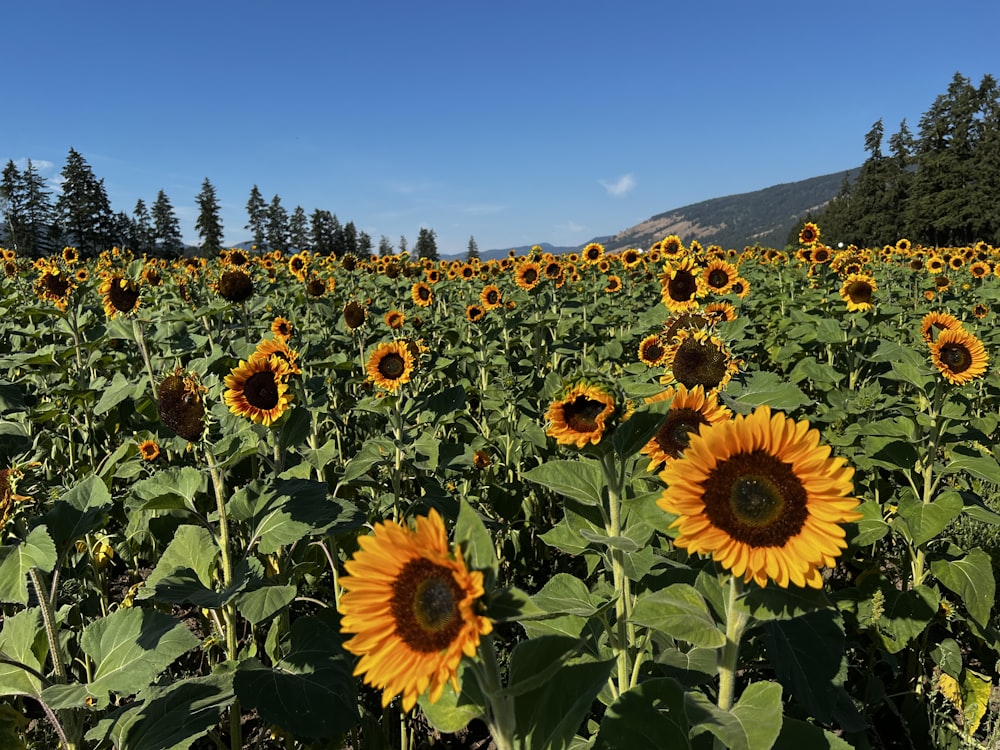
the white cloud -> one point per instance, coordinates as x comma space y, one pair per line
41, 165
570, 227
621, 186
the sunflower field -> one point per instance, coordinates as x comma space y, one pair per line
678, 497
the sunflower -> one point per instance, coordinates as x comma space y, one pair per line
935, 322
527, 275
235, 286
553, 270
821, 254
857, 291
298, 264
121, 296
631, 257
979, 269
278, 347
580, 416
691, 321
54, 286
697, 358
719, 276
395, 319
763, 497
149, 450
180, 405
390, 365
614, 284
652, 352
490, 297
256, 388
959, 356
354, 314
671, 246
809, 234
689, 410
282, 328
592, 253
481, 459
412, 606
474, 313
681, 285
432, 275
980, 310
935, 264
70, 255
719, 312
82, 275
422, 294
317, 287
740, 287
903, 245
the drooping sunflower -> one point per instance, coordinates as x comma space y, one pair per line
54, 286
282, 328
316, 286
390, 365
278, 347
422, 294
354, 314
809, 234
959, 356
121, 296
580, 416
857, 291
474, 313
681, 285
652, 352
698, 358
491, 297
149, 450
413, 608
234, 285
935, 322
181, 406
527, 275
689, 410
257, 388
763, 497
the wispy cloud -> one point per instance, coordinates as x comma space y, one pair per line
570, 227
621, 186
41, 165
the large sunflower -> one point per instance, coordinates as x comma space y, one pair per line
681, 286
763, 497
390, 365
959, 356
257, 389
689, 410
422, 294
527, 275
413, 608
857, 291
697, 358
491, 297
934, 323
719, 276
580, 416
120, 296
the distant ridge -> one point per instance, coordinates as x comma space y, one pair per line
734, 221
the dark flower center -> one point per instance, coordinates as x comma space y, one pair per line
391, 366
674, 434
56, 284
653, 351
529, 276
756, 498
682, 286
235, 286
860, 291
718, 278
124, 295
956, 357
316, 288
261, 390
581, 414
699, 363
424, 606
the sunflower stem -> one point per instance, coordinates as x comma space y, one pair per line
614, 480
500, 714
736, 622
140, 342
919, 559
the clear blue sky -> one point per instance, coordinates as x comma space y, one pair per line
514, 122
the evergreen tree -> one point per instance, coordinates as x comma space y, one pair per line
473, 251
298, 230
208, 224
402, 244
276, 225
166, 227
899, 177
83, 210
39, 212
340, 248
426, 246
385, 246
143, 238
987, 164
17, 235
350, 243
257, 212
364, 245
322, 232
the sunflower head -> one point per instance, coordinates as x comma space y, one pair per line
959, 356
652, 352
257, 388
681, 285
354, 314
857, 291
395, 319
582, 415
934, 323
698, 358
282, 329
121, 296
762, 497
390, 365
809, 234
149, 450
689, 411
181, 406
234, 285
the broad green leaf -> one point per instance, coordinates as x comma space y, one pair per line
294, 508
753, 723
454, 710
623, 543
924, 521
19, 640
797, 734
82, 509
872, 526
119, 389
985, 468
173, 488
373, 452
476, 542
916, 375
260, 604
581, 479
649, 715
776, 603
36, 551
679, 611
511, 604
692, 667
564, 594
130, 647
631, 435
192, 548
766, 388
896, 616
311, 692
948, 655
971, 578
169, 718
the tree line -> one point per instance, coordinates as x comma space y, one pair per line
81, 216
940, 187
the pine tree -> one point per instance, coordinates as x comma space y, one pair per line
276, 225
298, 230
987, 163
350, 239
473, 252
166, 227
208, 224
426, 246
402, 244
385, 246
39, 212
364, 244
322, 226
257, 212
899, 177
13, 207
143, 234
83, 210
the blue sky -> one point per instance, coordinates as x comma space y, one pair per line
513, 122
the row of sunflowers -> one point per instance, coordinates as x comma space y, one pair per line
682, 494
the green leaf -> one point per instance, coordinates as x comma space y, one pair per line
295, 508
948, 655
19, 640
476, 542
130, 647
649, 715
82, 509
511, 604
311, 692
581, 479
192, 548
454, 710
776, 603
375, 451
796, 734
169, 718
924, 521
679, 611
766, 388
564, 594
971, 578
173, 488
985, 468
913, 374
872, 526
631, 435
114, 393
260, 604
897, 616
753, 723
36, 551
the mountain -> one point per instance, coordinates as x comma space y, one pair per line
763, 216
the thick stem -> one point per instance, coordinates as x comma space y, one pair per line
736, 622
500, 711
